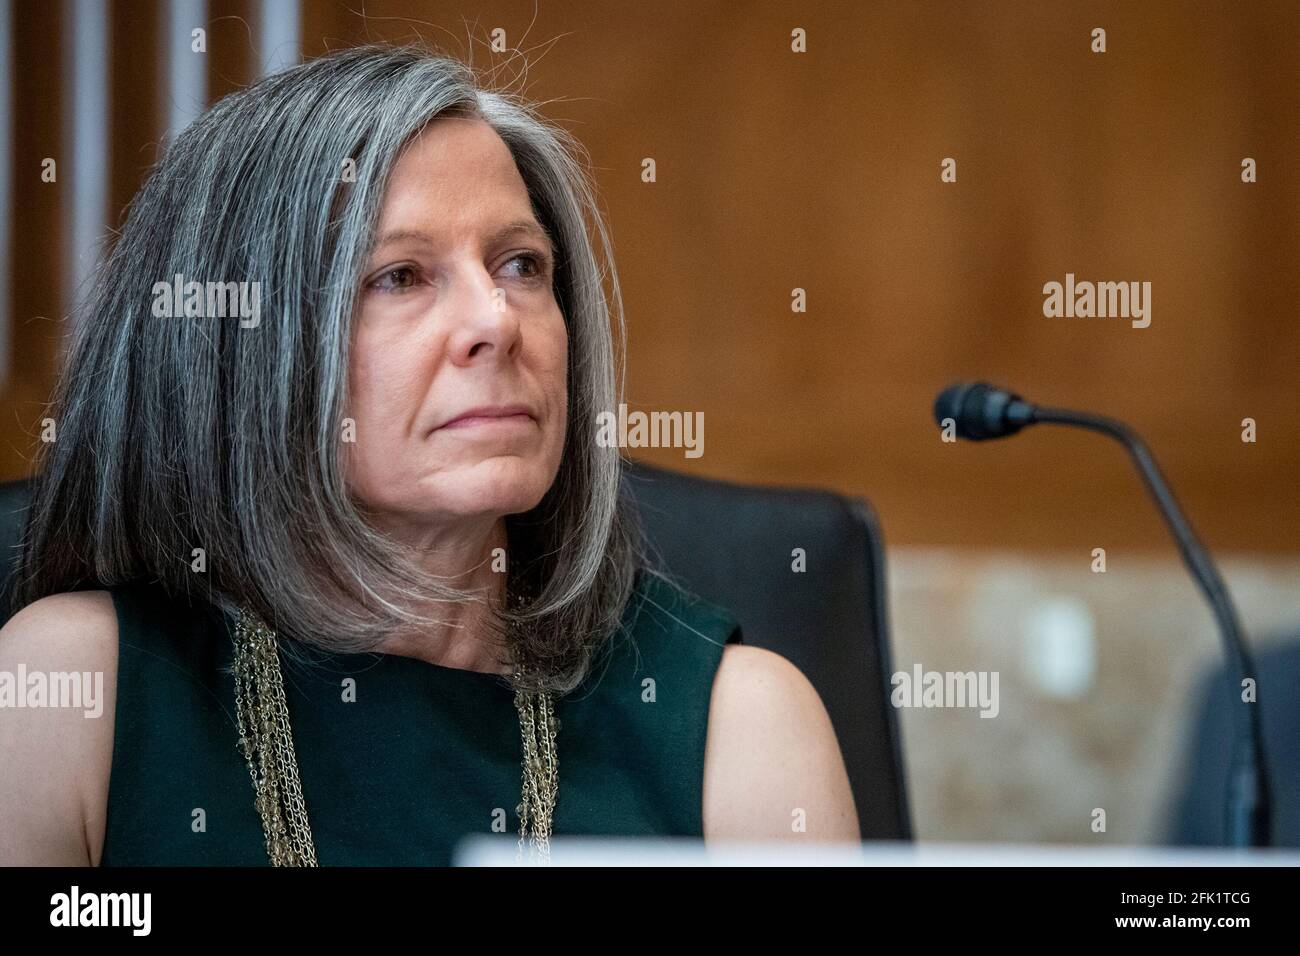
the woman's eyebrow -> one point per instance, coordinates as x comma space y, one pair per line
405, 235
527, 227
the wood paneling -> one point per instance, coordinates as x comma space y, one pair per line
36, 257
821, 171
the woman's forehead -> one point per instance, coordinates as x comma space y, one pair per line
456, 146
455, 178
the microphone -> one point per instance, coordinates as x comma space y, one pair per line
979, 411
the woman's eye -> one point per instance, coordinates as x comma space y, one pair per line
398, 279
532, 266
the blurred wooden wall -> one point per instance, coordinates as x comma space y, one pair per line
821, 171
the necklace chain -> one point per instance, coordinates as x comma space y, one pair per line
266, 741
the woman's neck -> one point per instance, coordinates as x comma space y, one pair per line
461, 640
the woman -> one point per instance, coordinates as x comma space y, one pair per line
326, 508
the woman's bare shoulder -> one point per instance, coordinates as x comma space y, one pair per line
50, 616
73, 631
58, 668
773, 767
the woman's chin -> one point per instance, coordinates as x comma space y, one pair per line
487, 507
494, 496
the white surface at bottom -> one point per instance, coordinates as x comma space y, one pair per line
589, 851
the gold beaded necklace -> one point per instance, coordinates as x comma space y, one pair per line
266, 741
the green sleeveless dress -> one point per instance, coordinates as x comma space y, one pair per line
422, 757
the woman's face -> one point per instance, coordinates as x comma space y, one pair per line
457, 316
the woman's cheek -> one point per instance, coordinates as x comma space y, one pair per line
556, 365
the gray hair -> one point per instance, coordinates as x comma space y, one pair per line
177, 435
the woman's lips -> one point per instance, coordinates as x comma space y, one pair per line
490, 421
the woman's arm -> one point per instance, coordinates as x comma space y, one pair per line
56, 760
772, 766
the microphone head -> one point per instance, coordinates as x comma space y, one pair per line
981, 411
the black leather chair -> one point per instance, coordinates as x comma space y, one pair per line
731, 544
13, 510
1196, 808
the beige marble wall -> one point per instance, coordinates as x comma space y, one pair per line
1095, 674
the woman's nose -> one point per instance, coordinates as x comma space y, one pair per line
484, 324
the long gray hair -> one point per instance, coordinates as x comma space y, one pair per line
180, 434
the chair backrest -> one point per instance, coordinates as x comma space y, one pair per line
13, 512
733, 545
1195, 811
